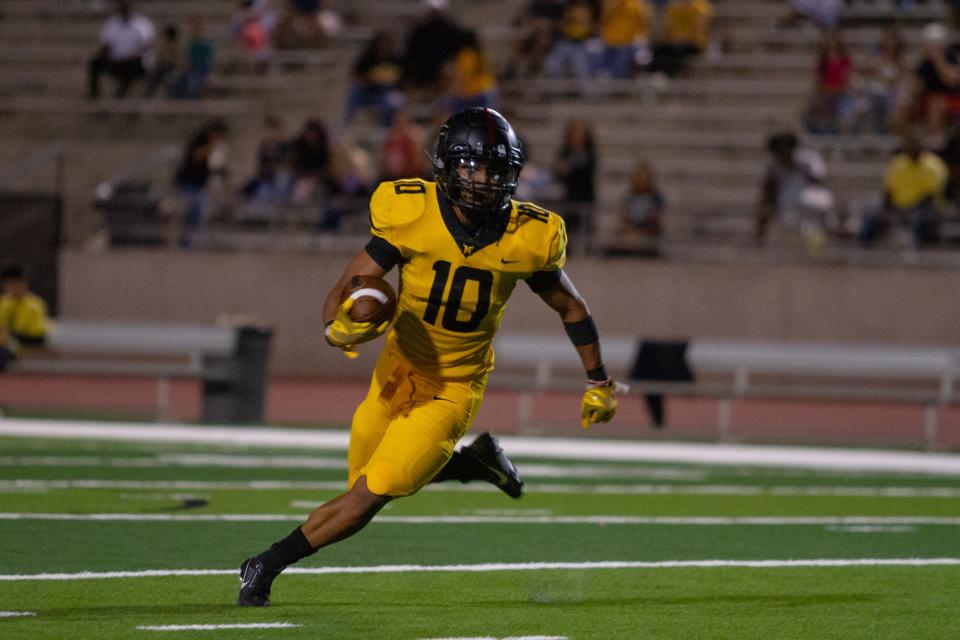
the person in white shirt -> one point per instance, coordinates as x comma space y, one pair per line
125, 40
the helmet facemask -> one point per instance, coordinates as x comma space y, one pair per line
480, 187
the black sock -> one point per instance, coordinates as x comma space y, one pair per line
285, 552
463, 468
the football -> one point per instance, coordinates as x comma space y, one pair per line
374, 299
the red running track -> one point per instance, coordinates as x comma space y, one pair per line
331, 403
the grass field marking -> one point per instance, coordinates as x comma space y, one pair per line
926, 463
178, 460
257, 485
217, 627
498, 567
7, 486
17, 614
508, 638
689, 521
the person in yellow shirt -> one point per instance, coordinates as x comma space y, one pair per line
686, 35
23, 315
571, 50
462, 244
624, 26
912, 195
473, 83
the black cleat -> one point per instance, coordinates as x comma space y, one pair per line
497, 468
255, 583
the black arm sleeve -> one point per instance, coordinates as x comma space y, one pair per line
383, 253
540, 281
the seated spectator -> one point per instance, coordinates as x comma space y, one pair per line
625, 30
832, 106
300, 26
571, 51
538, 24
170, 62
203, 160
575, 168
938, 75
401, 155
269, 183
376, 80
125, 38
432, 42
884, 82
309, 160
686, 35
251, 30
472, 81
795, 207
23, 315
193, 81
641, 214
912, 195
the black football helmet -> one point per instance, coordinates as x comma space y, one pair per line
477, 163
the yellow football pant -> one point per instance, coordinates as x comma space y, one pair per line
406, 428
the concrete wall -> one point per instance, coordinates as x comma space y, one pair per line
648, 298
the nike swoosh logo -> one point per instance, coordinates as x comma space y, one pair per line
505, 261
444, 399
501, 476
247, 577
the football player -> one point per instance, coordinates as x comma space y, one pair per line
462, 244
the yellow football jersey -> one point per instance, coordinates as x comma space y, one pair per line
454, 283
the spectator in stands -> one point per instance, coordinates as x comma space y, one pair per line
686, 35
472, 83
571, 50
251, 30
432, 43
885, 86
23, 315
795, 207
202, 161
310, 163
376, 80
912, 195
938, 73
402, 155
300, 27
193, 81
625, 30
170, 62
269, 184
125, 39
832, 106
575, 168
641, 215
538, 24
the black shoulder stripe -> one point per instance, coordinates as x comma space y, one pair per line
402, 187
531, 211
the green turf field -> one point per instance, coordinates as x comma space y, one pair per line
595, 550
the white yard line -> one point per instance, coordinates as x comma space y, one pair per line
508, 638
491, 568
611, 489
17, 614
689, 521
217, 627
553, 448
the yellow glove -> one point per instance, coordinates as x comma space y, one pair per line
599, 402
344, 333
